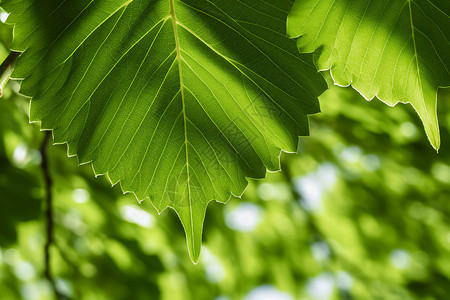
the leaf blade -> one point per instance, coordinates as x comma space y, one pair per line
394, 50
179, 101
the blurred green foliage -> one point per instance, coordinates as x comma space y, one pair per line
361, 212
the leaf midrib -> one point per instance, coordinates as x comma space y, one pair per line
180, 73
416, 57
419, 79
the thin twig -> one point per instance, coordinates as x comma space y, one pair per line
48, 214
48, 204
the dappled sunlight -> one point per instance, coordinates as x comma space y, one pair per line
134, 214
245, 217
321, 287
81, 195
313, 185
267, 292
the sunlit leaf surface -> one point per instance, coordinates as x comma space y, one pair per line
395, 50
180, 101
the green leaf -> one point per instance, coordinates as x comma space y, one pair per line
395, 50
180, 101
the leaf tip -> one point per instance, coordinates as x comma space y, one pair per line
433, 134
435, 142
194, 255
192, 219
194, 245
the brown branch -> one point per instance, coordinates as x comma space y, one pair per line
48, 214
48, 204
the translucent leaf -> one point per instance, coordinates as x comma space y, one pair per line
180, 101
395, 50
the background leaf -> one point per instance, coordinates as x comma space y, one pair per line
180, 101
395, 50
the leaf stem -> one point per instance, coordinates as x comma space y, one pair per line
6, 69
